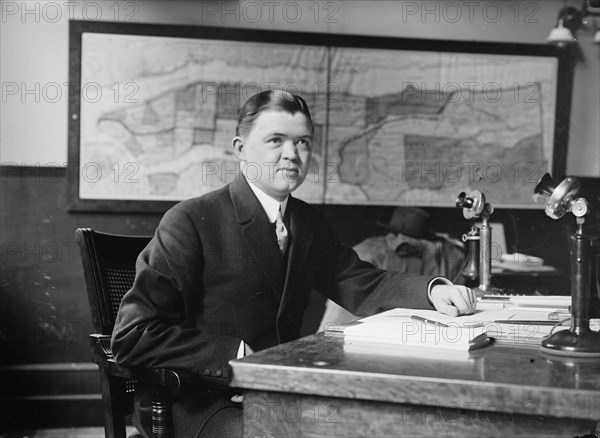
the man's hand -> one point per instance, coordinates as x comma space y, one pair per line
453, 300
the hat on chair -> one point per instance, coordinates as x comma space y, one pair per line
410, 221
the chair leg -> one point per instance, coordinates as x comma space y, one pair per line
114, 422
162, 420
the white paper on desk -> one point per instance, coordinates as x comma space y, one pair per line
553, 302
556, 301
396, 327
479, 315
529, 334
520, 334
405, 351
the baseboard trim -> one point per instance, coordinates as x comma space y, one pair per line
45, 395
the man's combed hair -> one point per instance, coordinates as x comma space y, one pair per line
270, 100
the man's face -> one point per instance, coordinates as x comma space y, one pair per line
276, 152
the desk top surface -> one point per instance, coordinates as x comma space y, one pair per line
495, 377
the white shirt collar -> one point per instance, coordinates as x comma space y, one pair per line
270, 205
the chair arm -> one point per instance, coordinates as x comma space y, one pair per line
102, 355
173, 380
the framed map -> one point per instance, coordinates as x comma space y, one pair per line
397, 121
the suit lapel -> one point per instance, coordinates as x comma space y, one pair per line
299, 250
258, 233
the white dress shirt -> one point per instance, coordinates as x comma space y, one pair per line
269, 204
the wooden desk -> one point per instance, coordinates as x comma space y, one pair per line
311, 387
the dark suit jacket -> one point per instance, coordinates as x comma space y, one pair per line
213, 276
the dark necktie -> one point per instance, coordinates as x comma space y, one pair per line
281, 232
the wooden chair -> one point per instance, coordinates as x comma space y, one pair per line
109, 268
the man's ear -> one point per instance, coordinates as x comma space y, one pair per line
238, 148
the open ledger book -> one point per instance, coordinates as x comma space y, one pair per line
416, 329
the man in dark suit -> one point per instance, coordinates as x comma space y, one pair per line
232, 271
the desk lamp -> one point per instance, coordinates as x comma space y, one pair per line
479, 240
579, 340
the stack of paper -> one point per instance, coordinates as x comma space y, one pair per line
521, 263
551, 301
528, 333
421, 329
521, 334
518, 325
497, 301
